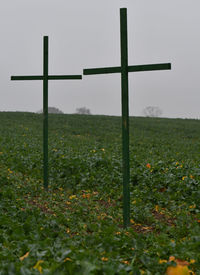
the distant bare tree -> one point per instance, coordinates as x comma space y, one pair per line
83, 111
52, 110
152, 111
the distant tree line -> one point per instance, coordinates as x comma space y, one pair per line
83, 111
152, 111
51, 110
54, 110
149, 111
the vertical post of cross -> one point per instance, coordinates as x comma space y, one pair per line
45, 109
125, 116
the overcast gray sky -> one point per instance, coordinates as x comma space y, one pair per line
86, 34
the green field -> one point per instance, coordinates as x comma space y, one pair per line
76, 227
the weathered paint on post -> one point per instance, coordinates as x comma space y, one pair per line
45, 77
124, 70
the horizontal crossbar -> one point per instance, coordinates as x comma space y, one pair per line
57, 77
107, 70
150, 67
27, 77
50, 77
136, 68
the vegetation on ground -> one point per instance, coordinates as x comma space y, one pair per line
77, 226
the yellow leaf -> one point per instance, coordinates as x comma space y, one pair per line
86, 196
178, 270
192, 261
23, 257
67, 259
125, 262
72, 197
181, 267
68, 230
38, 266
171, 258
162, 261
104, 259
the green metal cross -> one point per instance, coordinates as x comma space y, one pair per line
45, 77
124, 70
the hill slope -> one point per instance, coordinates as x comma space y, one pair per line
76, 227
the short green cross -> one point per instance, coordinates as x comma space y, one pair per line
124, 70
45, 77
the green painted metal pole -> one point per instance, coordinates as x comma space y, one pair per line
45, 111
125, 117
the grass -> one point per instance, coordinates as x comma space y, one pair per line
76, 227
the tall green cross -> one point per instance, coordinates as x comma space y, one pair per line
45, 77
124, 70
